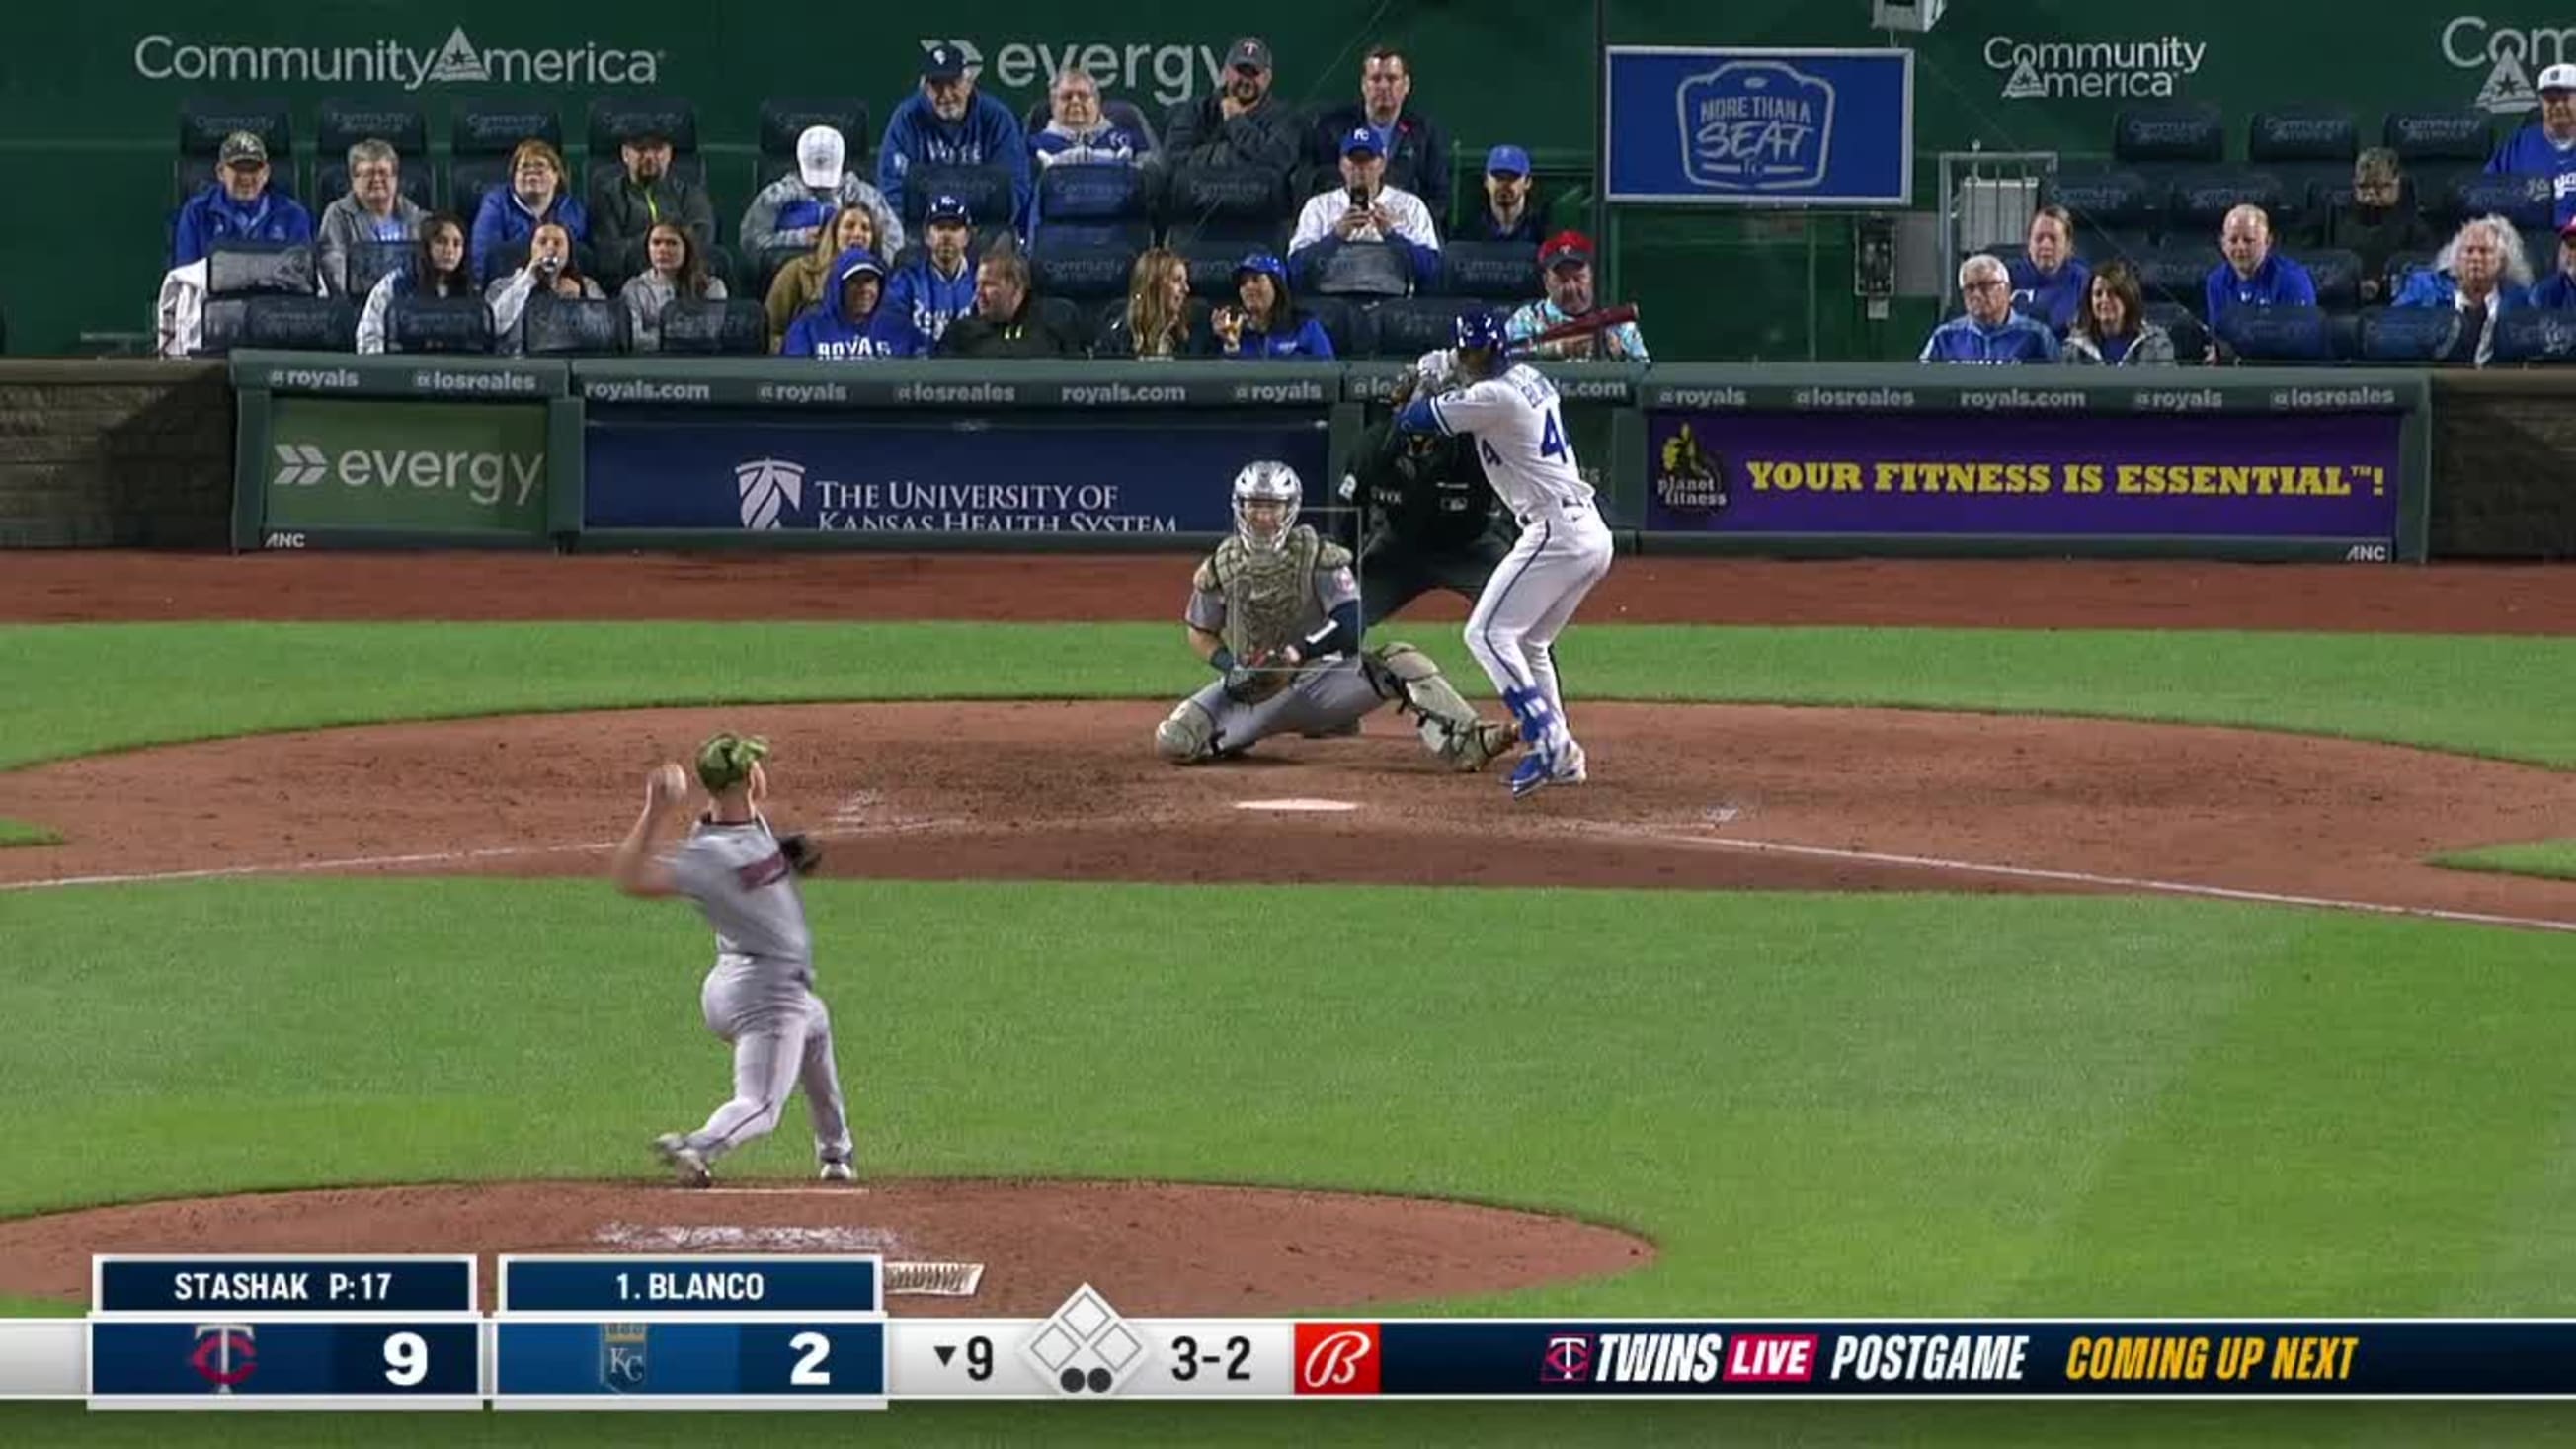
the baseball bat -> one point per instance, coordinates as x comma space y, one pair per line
1599, 319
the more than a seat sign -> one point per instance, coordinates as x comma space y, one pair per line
1760, 127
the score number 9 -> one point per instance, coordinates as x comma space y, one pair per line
406, 1360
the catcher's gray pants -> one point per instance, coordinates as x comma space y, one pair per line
782, 1037
1324, 697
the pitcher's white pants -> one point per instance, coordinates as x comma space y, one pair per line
782, 1038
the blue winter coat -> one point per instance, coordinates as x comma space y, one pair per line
2055, 298
2558, 293
2429, 288
988, 135
2530, 152
2015, 339
212, 216
503, 222
2279, 282
1304, 337
919, 304
826, 330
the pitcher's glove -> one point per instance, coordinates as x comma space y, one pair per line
803, 855
1261, 674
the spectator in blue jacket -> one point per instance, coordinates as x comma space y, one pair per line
2548, 146
1267, 325
2480, 274
237, 205
949, 124
935, 289
2559, 292
2050, 282
2253, 275
1991, 332
1078, 133
841, 326
539, 192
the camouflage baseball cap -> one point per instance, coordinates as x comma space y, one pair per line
725, 760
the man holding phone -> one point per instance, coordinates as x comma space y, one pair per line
1367, 211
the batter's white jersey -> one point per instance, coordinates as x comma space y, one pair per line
1520, 436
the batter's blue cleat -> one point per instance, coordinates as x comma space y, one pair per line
1536, 768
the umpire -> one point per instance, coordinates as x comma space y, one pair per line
1428, 519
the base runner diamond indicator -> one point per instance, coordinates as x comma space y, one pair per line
1085, 1347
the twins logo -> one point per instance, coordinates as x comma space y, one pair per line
225, 1354
1568, 1359
769, 487
1756, 126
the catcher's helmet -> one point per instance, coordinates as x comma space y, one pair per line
1266, 481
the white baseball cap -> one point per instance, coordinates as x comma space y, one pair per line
2559, 77
818, 156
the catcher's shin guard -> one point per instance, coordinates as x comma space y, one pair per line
1448, 724
1186, 736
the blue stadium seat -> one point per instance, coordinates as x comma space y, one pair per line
1199, 194
468, 177
2406, 334
2115, 210
1407, 327
2535, 335
2524, 200
2277, 334
1087, 260
438, 324
784, 118
341, 122
1092, 193
2201, 199
247, 268
2167, 134
2540, 249
1213, 249
615, 118
301, 324
555, 326
1341, 321
986, 190
2306, 147
2457, 136
731, 327
2177, 274
2337, 275
478, 126
2402, 265
1496, 271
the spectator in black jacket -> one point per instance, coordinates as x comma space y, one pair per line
1243, 125
1415, 148
1511, 212
626, 206
1007, 320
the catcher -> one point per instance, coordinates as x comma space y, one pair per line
1275, 612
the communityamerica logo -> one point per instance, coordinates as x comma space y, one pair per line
389, 61
769, 487
2092, 70
2510, 55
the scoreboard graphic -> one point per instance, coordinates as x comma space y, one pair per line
768, 1332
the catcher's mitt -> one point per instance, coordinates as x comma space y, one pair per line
1259, 675
803, 855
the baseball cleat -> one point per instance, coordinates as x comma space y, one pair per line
1537, 768
686, 1162
838, 1172
1569, 767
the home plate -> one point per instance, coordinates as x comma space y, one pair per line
1296, 802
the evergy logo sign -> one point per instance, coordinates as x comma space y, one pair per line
2510, 55
388, 61
1168, 72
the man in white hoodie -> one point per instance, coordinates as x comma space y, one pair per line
786, 213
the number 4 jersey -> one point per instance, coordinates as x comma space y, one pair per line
1520, 437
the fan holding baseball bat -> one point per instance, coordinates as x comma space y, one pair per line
1567, 324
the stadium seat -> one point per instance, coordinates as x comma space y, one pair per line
2201, 199
615, 118
438, 324
2343, 336
2535, 335
735, 327
2177, 274
468, 177
204, 123
1353, 269
2402, 265
2277, 334
2176, 133
302, 324
1407, 327
1087, 260
1495, 271
2306, 147
331, 182
341, 122
783, 119
986, 190
1352, 328
2337, 275
495, 127
2406, 334
764, 267
2190, 337
247, 268
2455, 136
2523, 200
2540, 249
1092, 193
1212, 250
555, 326
369, 261
2115, 211
1200, 194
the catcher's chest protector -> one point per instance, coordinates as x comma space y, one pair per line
1270, 598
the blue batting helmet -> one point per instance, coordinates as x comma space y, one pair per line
1480, 329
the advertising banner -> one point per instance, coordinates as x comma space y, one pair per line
427, 467
1029, 473
2239, 476
1761, 127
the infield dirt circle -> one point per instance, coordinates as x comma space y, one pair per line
1681, 796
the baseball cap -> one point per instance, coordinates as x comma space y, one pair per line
2559, 77
1360, 139
1266, 264
1565, 246
943, 61
947, 207
1507, 161
865, 262
1251, 50
243, 146
818, 156
2568, 232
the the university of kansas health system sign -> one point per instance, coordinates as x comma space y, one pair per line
1761, 127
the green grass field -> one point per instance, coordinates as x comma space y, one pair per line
2554, 859
1817, 1105
19, 832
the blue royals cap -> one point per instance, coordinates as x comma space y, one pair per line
1266, 264
1507, 161
1360, 139
943, 61
946, 207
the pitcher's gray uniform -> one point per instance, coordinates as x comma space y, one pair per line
760, 994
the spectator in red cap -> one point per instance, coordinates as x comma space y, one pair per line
2559, 291
1565, 265
1511, 212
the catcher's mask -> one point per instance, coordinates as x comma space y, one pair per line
1271, 488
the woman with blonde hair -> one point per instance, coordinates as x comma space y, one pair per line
539, 192
1158, 320
799, 283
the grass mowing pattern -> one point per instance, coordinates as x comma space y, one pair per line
19, 832
2551, 859
121, 685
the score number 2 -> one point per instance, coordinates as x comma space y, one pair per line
1186, 1358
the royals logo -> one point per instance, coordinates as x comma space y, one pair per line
622, 1357
1756, 126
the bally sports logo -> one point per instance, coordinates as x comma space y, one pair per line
768, 488
1338, 1358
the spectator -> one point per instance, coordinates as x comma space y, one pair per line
2480, 274
2376, 225
1511, 212
799, 284
2049, 280
1077, 133
551, 265
1007, 320
935, 289
2113, 330
1366, 209
673, 268
1565, 268
436, 269
1415, 148
793, 211
842, 326
1157, 321
2253, 275
2547, 147
626, 207
1267, 325
948, 124
1991, 332
375, 210
535, 197
237, 205
1242, 125
2559, 292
